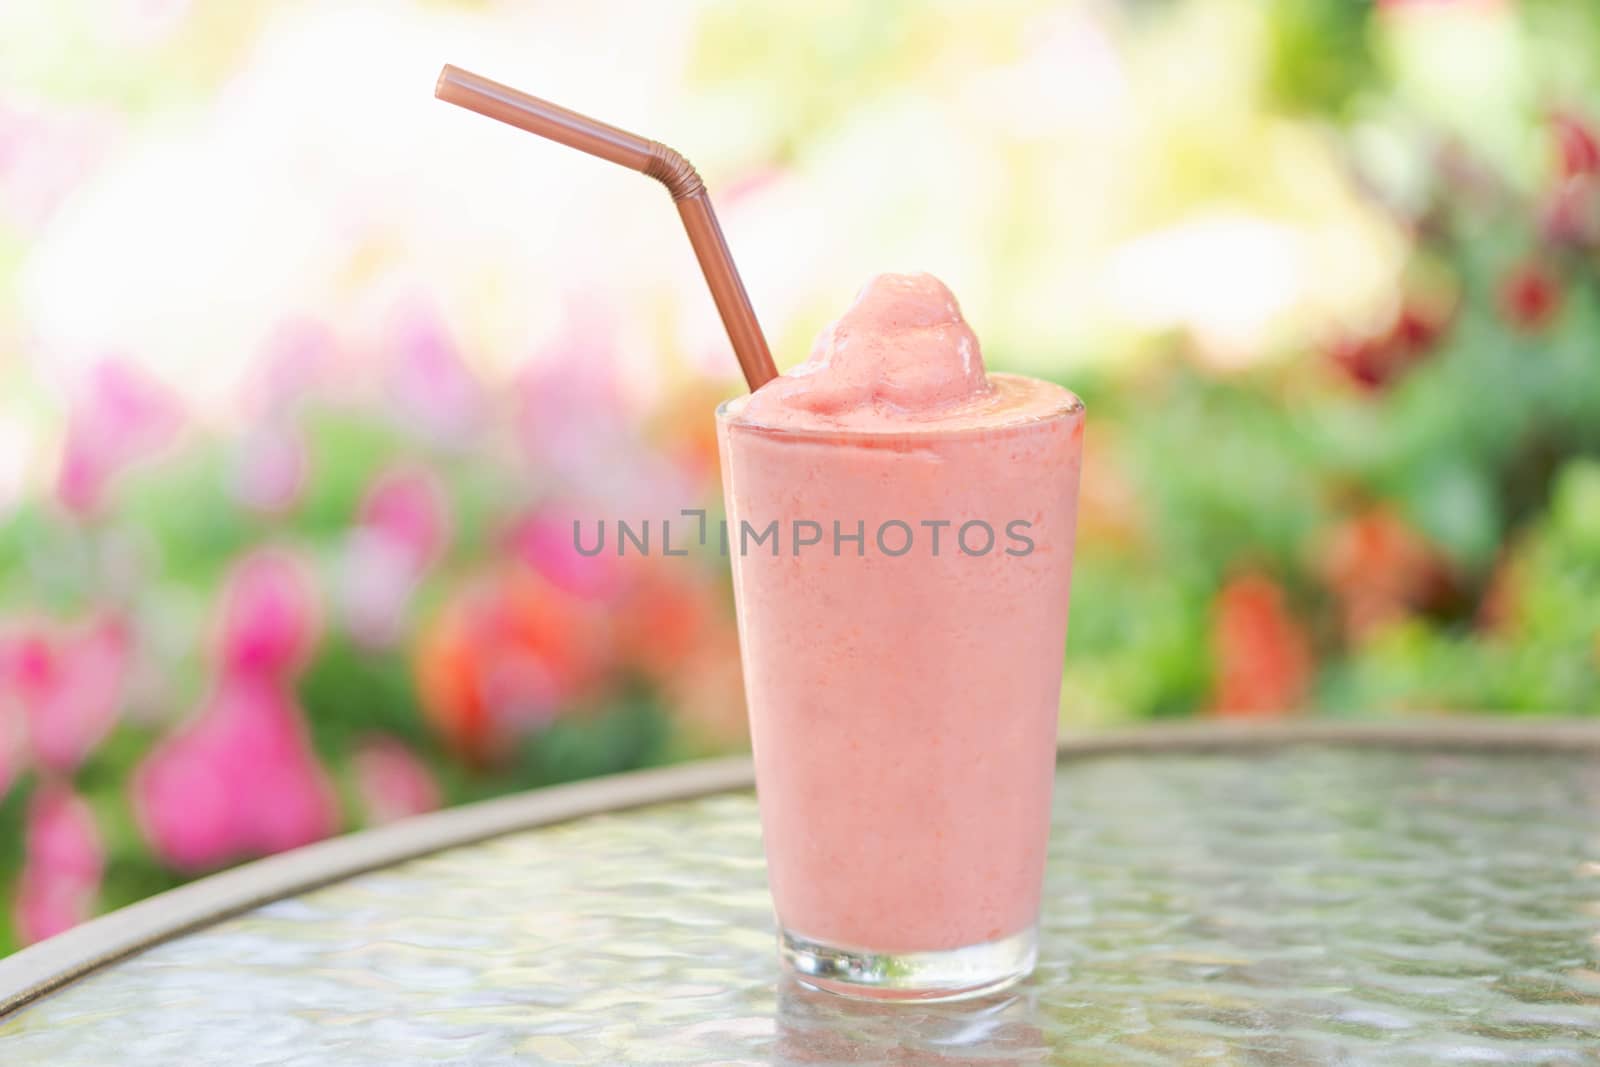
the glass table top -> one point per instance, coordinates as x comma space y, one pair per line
1306, 905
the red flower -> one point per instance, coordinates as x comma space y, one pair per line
1530, 296
663, 618
1263, 657
1418, 328
506, 656
1374, 360
1577, 149
1379, 569
1367, 362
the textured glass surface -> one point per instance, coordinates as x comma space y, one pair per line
1306, 906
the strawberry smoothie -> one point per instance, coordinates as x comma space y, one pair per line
901, 527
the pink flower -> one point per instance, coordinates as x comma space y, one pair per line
295, 357
119, 417
523, 692
571, 412
240, 781
574, 419
428, 379
392, 781
269, 615
376, 581
403, 528
269, 470
407, 507
71, 688
63, 862
11, 753
544, 540
61, 835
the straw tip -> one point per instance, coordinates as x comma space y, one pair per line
447, 74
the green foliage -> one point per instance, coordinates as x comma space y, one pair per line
1138, 641
44, 560
1222, 468
351, 450
1318, 56
349, 693
632, 732
13, 805
179, 503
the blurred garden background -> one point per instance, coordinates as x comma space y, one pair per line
303, 376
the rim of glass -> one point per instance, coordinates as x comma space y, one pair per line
1071, 404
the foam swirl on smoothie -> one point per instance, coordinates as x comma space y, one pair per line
901, 358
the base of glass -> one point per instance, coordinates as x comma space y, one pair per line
948, 974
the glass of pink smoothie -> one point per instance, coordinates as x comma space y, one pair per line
901, 527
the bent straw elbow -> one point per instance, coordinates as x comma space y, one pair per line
669, 167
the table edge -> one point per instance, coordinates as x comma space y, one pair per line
41, 969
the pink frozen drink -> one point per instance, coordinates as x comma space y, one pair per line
901, 526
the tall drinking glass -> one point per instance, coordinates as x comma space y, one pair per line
902, 601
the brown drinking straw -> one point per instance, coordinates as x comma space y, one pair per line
529, 113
